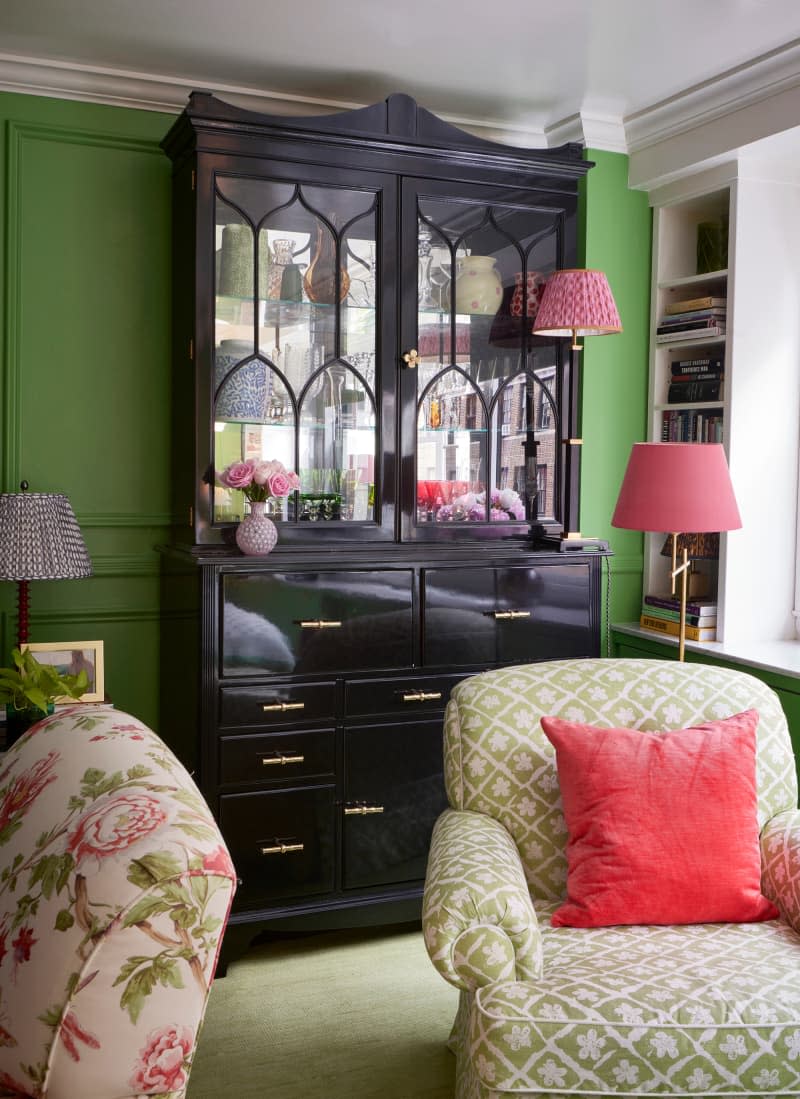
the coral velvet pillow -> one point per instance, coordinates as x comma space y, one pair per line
663, 827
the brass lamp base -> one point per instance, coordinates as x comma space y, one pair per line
680, 571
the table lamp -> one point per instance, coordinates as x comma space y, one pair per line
575, 302
679, 488
39, 540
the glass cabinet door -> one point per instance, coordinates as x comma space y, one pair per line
295, 344
487, 389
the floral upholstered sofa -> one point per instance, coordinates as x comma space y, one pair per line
115, 887
706, 1008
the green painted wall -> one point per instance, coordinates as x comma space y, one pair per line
616, 232
85, 393
85, 366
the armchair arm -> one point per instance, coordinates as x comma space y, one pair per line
780, 864
478, 920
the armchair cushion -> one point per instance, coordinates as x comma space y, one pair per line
663, 827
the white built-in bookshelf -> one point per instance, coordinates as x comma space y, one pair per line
759, 405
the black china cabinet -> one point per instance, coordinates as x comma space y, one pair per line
354, 296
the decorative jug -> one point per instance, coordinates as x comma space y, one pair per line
479, 288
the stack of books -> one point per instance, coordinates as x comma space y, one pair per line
699, 379
662, 613
692, 319
690, 426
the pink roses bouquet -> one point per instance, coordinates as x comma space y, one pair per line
259, 480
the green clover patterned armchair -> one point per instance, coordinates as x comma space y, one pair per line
695, 1009
115, 887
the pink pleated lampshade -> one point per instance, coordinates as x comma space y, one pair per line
577, 302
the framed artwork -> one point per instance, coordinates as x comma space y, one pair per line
72, 657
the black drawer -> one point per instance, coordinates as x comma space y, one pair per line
504, 615
412, 695
276, 704
281, 843
277, 757
310, 622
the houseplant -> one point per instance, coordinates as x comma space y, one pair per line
29, 690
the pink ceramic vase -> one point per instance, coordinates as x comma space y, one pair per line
256, 535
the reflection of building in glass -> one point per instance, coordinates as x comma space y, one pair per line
451, 446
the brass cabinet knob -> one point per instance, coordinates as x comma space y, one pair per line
411, 358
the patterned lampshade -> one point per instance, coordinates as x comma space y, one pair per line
40, 538
577, 302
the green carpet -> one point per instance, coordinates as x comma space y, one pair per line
342, 1015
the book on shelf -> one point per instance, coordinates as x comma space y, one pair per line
672, 629
675, 616
691, 326
700, 390
699, 606
711, 364
690, 334
699, 376
690, 426
690, 304
671, 320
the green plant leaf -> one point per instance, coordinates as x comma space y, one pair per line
64, 920
144, 909
52, 871
149, 869
136, 992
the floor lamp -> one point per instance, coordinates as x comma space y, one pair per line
575, 302
39, 540
682, 488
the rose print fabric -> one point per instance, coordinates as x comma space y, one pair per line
704, 1009
115, 887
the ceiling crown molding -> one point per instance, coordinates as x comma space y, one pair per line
142, 91
757, 98
152, 92
604, 132
762, 78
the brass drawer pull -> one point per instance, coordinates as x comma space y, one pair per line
270, 761
281, 707
422, 696
510, 614
282, 848
319, 624
361, 810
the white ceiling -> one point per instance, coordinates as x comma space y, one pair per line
534, 70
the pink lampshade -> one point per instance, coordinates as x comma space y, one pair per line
577, 302
677, 487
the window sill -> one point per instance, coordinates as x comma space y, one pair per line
781, 657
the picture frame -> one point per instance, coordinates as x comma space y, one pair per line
69, 657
